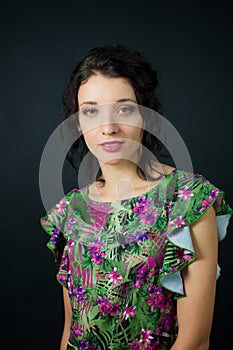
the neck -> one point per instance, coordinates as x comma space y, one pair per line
112, 173
122, 181
120, 178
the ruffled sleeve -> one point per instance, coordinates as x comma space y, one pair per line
55, 224
193, 196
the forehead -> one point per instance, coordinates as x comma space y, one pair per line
101, 89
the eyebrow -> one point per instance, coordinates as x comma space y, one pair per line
120, 100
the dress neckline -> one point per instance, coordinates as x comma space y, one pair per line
85, 191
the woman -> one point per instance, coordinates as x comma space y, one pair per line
137, 252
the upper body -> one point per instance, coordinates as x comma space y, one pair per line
139, 263
119, 274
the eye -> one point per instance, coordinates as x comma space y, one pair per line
125, 110
89, 111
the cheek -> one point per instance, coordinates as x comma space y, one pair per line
134, 133
90, 138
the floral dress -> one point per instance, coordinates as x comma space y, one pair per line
122, 260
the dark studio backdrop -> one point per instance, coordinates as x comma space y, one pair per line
188, 43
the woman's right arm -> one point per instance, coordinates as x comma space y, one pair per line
68, 317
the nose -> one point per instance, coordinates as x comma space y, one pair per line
109, 128
107, 124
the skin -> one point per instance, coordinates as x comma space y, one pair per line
103, 117
68, 317
195, 310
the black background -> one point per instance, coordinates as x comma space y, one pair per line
189, 43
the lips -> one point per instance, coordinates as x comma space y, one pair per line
111, 146
111, 143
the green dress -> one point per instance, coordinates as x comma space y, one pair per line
122, 260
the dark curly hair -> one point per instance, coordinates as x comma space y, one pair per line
115, 60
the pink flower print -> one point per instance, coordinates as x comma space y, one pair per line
97, 255
62, 278
77, 331
85, 345
64, 265
70, 244
182, 257
55, 236
135, 345
157, 298
158, 329
185, 194
129, 311
142, 272
205, 205
61, 206
179, 221
141, 203
77, 292
97, 258
167, 322
114, 309
141, 236
158, 301
103, 305
154, 290
70, 223
167, 303
138, 283
151, 303
147, 216
169, 208
135, 210
114, 276
145, 336
213, 194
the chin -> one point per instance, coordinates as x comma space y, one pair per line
111, 161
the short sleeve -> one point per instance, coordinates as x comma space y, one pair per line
193, 196
54, 223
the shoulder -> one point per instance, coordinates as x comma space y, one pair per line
158, 167
60, 210
167, 169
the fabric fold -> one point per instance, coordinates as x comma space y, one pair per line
54, 223
199, 195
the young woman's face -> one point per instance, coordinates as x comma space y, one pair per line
109, 119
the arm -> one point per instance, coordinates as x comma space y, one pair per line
195, 310
68, 317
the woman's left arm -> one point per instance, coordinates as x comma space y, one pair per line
195, 310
